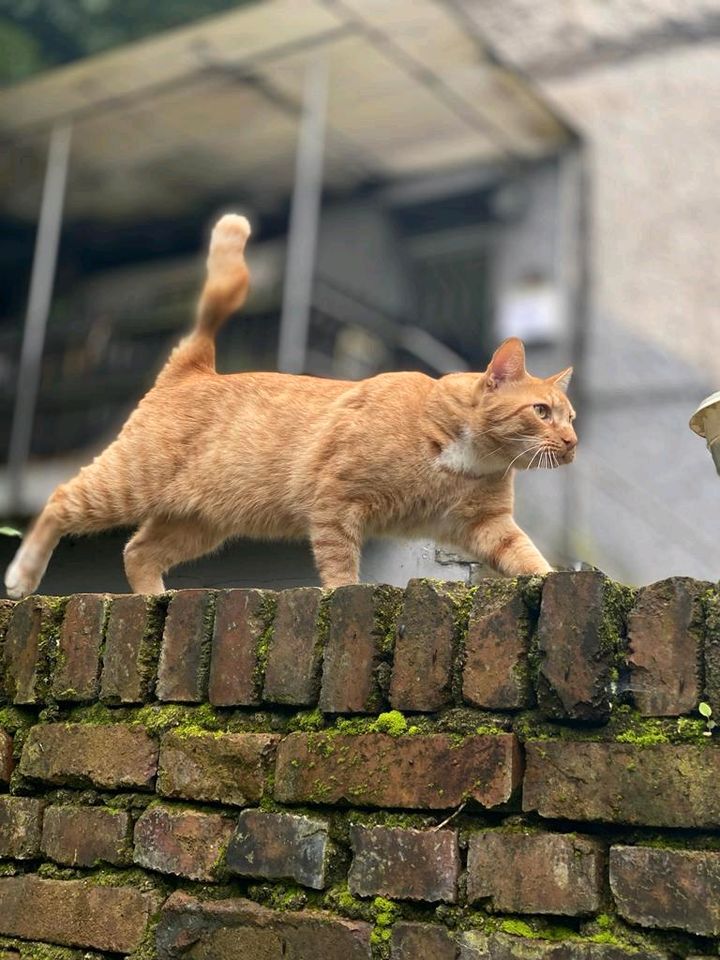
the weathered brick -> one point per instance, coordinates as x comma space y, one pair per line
83, 836
711, 648
423, 659
132, 642
240, 930
404, 864
422, 941
496, 674
653, 785
280, 846
376, 770
229, 768
77, 672
536, 872
667, 888
186, 843
361, 624
112, 755
580, 616
479, 946
294, 655
242, 619
29, 640
20, 827
6, 757
75, 913
185, 649
664, 639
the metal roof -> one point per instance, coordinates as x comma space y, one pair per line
199, 111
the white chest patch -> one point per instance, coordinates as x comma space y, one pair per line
460, 456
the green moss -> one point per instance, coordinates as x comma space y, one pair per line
159, 718
14, 719
393, 723
518, 928
268, 607
96, 713
384, 913
648, 734
43, 951
308, 721
537, 930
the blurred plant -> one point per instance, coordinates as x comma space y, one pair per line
36, 34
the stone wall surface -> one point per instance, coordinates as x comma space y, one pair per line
517, 769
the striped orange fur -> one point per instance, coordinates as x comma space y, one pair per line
205, 457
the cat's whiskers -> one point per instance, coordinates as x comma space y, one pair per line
537, 452
526, 450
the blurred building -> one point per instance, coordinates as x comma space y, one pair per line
486, 168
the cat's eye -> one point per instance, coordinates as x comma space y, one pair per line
542, 410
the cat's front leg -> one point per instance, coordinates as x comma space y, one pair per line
506, 547
336, 540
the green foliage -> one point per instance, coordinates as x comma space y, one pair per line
37, 34
6, 531
705, 711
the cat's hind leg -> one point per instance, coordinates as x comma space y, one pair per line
160, 544
33, 555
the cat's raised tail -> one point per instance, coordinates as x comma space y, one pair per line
225, 291
110, 491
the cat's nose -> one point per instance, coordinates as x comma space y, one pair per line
570, 442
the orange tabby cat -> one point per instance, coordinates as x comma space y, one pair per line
205, 457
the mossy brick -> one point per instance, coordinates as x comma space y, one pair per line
75, 913
433, 771
476, 945
424, 647
82, 836
421, 941
577, 639
28, 648
280, 846
361, 625
669, 889
185, 648
182, 842
711, 648
229, 768
656, 785
113, 756
7, 761
239, 929
132, 641
241, 622
76, 676
534, 872
496, 671
404, 864
665, 629
20, 827
294, 655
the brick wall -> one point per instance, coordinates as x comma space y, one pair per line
514, 770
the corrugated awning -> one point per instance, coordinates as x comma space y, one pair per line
214, 107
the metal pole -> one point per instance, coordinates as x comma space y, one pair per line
577, 172
41, 286
304, 218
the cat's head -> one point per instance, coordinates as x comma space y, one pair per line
529, 418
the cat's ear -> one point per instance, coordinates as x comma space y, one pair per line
562, 380
507, 364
